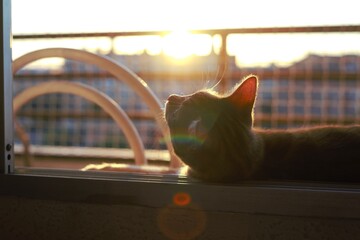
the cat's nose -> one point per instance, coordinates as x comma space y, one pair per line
173, 98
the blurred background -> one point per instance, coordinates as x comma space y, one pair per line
306, 55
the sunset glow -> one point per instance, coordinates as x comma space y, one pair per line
179, 17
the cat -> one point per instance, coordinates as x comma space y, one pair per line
213, 134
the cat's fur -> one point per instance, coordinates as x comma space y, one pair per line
214, 136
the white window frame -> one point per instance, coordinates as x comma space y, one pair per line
286, 199
6, 121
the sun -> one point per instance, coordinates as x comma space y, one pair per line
182, 44
178, 44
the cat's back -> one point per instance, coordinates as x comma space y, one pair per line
319, 153
324, 137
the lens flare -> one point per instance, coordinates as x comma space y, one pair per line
181, 199
181, 222
191, 139
185, 139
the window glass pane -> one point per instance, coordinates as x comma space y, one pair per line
306, 79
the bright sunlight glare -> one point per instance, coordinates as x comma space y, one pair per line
182, 44
178, 44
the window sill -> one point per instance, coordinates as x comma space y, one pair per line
156, 191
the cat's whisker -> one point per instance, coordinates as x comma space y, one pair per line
220, 79
206, 80
216, 84
217, 73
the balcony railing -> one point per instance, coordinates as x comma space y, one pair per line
321, 87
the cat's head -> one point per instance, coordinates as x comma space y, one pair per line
211, 133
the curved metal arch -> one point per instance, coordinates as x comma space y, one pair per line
95, 96
119, 71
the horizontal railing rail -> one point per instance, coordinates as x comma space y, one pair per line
162, 76
302, 29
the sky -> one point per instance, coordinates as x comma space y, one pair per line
66, 16
44, 16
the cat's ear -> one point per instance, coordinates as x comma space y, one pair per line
244, 95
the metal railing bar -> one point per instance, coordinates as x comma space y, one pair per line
148, 116
38, 114
301, 29
192, 76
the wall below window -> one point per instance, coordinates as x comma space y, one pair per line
26, 218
